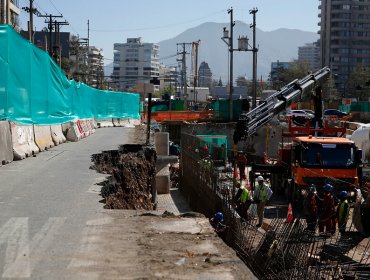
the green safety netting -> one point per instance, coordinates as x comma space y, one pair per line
34, 90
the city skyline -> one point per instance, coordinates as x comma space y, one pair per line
155, 22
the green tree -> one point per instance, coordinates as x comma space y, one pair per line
67, 65
330, 92
358, 83
283, 76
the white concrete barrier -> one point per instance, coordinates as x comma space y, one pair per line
161, 140
104, 122
94, 124
43, 138
21, 148
135, 122
73, 132
57, 134
6, 149
162, 180
85, 128
30, 139
116, 122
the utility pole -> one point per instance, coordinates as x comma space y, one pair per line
255, 50
88, 52
8, 12
50, 27
2, 12
183, 62
195, 82
32, 11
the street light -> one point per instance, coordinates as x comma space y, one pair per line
243, 45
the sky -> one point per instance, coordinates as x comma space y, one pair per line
113, 21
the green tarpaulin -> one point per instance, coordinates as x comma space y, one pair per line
34, 90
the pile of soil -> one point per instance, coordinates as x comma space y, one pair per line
133, 176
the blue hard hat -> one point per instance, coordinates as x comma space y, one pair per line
219, 216
328, 187
343, 194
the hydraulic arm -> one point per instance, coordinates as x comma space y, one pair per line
249, 122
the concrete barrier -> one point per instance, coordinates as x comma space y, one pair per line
73, 132
161, 140
43, 138
135, 122
92, 125
162, 180
30, 139
104, 123
21, 148
80, 129
85, 127
57, 134
6, 149
116, 122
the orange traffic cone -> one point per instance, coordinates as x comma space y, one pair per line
289, 217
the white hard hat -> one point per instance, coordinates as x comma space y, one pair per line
260, 178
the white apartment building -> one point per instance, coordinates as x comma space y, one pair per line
96, 66
167, 77
311, 54
9, 13
134, 63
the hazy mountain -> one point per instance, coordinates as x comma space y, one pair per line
280, 44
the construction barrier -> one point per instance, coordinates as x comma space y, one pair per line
6, 150
73, 132
134, 122
183, 116
57, 134
104, 122
30, 139
21, 148
116, 122
43, 138
84, 127
162, 180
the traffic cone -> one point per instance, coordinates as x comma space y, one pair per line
289, 217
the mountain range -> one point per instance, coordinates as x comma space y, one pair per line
281, 44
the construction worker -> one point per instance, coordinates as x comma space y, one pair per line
243, 200
310, 208
328, 211
343, 211
260, 198
241, 161
217, 222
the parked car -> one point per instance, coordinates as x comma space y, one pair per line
299, 117
335, 112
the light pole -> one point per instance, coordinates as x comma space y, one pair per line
229, 42
242, 46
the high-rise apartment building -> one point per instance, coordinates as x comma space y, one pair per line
134, 63
96, 67
9, 12
310, 53
344, 38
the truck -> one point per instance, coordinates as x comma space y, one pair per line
315, 153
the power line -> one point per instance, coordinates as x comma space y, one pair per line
156, 27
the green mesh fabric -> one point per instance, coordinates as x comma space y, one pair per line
34, 90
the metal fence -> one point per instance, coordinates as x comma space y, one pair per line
282, 250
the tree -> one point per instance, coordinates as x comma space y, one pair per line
219, 84
282, 76
241, 81
330, 92
358, 85
67, 65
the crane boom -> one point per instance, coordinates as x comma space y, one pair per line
248, 123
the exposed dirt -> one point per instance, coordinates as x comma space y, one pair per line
133, 174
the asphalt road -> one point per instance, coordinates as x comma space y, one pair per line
45, 203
